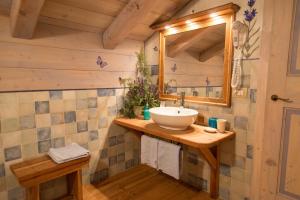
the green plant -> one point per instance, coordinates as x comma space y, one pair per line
141, 91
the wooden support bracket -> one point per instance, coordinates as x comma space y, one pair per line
212, 156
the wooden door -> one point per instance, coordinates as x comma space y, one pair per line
277, 152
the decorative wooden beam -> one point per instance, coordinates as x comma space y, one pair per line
24, 16
133, 13
184, 42
210, 52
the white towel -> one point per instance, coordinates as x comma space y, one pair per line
149, 151
67, 153
168, 158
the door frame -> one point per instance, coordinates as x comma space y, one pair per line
274, 60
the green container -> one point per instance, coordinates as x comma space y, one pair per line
146, 112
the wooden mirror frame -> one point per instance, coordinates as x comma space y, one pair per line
218, 15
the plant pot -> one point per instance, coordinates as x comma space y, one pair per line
138, 111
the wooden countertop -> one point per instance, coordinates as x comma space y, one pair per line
194, 136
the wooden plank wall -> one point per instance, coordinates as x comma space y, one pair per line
191, 72
61, 58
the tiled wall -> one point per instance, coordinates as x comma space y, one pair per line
32, 122
236, 154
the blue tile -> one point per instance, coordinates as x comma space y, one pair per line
12, 153
197, 182
253, 95
154, 70
106, 92
103, 153
70, 116
170, 90
41, 107
112, 160
120, 139
44, 146
192, 158
55, 94
93, 135
129, 163
250, 151
224, 193
136, 154
17, 193
225, 169
44, 133
2, 170
99, 176
58, 142
112, 141
121, 157
82, 126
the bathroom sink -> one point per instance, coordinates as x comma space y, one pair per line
174, 118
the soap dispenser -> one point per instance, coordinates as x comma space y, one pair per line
146, 112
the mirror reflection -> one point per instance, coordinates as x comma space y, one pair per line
194, 62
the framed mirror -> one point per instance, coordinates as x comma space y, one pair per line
196, 54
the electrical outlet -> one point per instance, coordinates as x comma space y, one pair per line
242, 93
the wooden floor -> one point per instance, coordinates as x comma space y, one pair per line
142, 183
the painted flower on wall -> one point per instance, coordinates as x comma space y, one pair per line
251, 44
250, 14
251, 3
174, 68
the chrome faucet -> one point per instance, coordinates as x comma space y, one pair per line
182, 96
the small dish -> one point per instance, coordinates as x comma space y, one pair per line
210, 130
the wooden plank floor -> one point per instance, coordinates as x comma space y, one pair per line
142, 183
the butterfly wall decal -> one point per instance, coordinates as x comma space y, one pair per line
101, 62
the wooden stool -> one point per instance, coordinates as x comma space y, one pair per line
32, 173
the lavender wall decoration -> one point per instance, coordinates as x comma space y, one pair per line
249, 19
101, 62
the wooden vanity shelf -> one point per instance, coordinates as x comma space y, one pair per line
32, 173
207, 143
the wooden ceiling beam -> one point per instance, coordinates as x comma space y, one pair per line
184, 42
131, 15
211, 51
24, 17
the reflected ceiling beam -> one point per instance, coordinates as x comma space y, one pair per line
185, 41
24, 17
131, 15
211, 51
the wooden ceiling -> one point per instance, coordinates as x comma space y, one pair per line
206, 42
116, 19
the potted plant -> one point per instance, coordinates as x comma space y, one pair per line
141, 91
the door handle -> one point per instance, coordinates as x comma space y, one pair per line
275, 97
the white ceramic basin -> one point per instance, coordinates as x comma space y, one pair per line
174, 118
